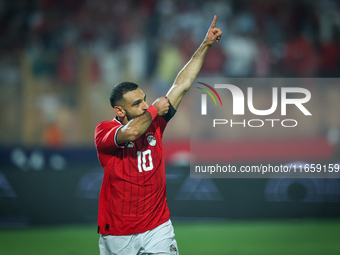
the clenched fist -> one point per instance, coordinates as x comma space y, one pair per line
162, 104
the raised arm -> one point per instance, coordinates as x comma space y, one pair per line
190, 71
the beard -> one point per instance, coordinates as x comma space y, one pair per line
131, 116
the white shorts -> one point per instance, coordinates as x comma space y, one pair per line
160, 240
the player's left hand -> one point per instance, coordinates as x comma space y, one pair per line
213, 35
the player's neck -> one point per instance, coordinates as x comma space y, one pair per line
123, 120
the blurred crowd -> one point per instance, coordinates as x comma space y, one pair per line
149, 41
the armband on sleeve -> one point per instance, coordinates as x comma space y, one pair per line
170, 113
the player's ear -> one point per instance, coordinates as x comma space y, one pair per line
120, 111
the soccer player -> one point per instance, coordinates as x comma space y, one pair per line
133, 215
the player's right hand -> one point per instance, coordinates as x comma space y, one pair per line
162, 104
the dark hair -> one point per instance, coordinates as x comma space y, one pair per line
119, 90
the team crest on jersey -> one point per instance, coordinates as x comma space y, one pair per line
151, 140
173, 249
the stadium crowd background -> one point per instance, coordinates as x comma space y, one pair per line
60, 58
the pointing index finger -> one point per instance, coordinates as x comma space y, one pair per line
214, 22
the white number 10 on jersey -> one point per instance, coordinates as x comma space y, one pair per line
142, 158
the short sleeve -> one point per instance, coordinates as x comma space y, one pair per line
162, 121
105, 136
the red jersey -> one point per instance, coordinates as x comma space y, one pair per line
133, 193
